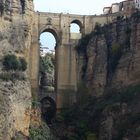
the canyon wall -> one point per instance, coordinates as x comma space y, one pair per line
16, 20
111, 56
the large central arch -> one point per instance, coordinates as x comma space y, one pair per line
52, 30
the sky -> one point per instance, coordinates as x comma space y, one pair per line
81, 7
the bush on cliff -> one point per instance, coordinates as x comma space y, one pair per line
84, 41
40, 133
11, 62
47, 63
23, 64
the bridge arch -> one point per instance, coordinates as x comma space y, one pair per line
53, 31
48, 109
51, 75
79, 23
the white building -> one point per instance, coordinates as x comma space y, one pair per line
127, 6
137, 4
43, 51
115, 8
106, 10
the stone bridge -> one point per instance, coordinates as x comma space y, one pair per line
66, 62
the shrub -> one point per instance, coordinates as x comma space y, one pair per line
47, 63
116, 52
6, 76
136, 15
35, 104
91, 136
40, 133
11, 76
11, 62
115, 48
23, 64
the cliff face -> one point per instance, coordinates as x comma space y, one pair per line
110, 67
15, 102
111, 58
16, 21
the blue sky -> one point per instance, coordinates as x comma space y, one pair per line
82, 7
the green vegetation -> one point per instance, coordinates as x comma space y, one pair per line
86, 117
23, 64
115, 48
136, 15
83, 42
12, 76
116, 53
47, 63
13, 67
40, 133
35, 104
91, 136
11, 62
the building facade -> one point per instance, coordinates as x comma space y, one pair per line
126, 7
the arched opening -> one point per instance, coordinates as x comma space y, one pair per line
76, 26
48, 109
75, 29
47, 42
47, 70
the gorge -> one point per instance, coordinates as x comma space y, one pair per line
97, 76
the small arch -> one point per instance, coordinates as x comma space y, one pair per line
48, 109
77, 25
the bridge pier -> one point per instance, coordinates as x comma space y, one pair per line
66, 76
34, 62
